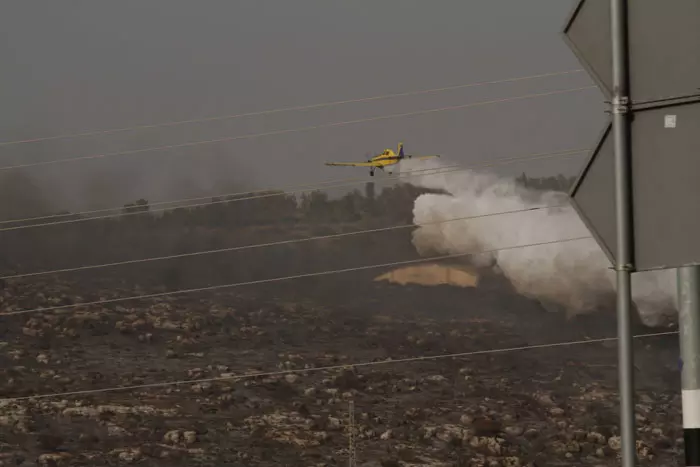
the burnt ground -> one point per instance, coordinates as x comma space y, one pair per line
545, 407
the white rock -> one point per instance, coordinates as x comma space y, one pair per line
291, 378
436, 378
615, 443
334, 423
130, 455
172, 437
189, 437
116, 431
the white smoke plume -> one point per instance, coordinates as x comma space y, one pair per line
575, 275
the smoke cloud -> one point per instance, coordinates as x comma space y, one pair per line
575, 275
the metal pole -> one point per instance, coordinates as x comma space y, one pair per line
352, 457
689, 327
623, 201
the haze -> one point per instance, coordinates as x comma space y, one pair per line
85, 65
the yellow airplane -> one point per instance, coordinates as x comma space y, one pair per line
386, 158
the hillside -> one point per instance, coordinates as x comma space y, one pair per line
544, 406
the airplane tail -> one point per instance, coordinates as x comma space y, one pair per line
402, 155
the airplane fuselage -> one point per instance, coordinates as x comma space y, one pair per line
386, 159
380, 161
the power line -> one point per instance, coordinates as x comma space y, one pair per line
265, 191
284, 278
286, 109
277, 243
294, 130
322, 185
276, 191
262, 193
364, 364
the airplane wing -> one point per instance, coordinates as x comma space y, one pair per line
354, 164
424, 157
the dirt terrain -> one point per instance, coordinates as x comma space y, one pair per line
540, 407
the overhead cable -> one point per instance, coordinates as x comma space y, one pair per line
344, 366
293, 130
323, 185
286, 109
255, 194
284, 278
277, 243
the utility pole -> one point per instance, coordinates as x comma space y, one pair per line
623, 201
352, 461
689, 327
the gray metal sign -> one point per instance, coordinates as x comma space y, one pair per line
664, 46
638, 193
666, 193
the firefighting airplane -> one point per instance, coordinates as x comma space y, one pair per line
386, 158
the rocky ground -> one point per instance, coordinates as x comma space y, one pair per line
540, 407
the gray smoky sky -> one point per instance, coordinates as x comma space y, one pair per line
85, 65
